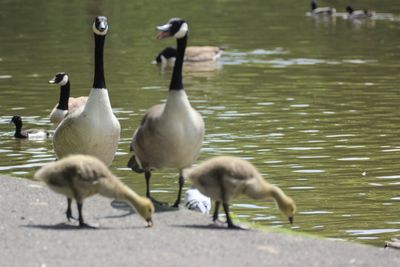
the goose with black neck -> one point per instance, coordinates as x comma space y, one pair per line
65, 103
93, 129
170, 134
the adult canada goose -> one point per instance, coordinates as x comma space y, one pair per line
65, 103
27, 134
92, 129
321, 11
81, 176
359, 14
192, 54
170, 135
225, 177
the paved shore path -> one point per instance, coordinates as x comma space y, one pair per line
34, 232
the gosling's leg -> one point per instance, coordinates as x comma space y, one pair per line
216, 211
181, 183
231, 225
69, 211
81, 222
147, 176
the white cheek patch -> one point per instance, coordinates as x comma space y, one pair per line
96, 31
182, 31
64, 80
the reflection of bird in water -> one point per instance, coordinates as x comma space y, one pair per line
359, 14
192, 54
394, 243
321, 11
197, 201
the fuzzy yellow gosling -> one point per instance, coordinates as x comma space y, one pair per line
81, 176
223, 178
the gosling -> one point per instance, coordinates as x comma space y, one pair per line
225, 177
81, 176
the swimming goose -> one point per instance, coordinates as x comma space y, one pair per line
170, 135
358, 14
27, 134
92, 129
192, 54
81, 176
225, 177
321, 11
65, 103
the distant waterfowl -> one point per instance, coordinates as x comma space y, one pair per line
81, 176
321, 11
93, 129
65, 103
194, 200
358, 14
170, 135
27, 134
192, 54
225, 177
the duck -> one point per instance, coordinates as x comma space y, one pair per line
81, 176
65, 103
358, 14
170, 134
321, 11
92, 129
167, 56
27, 134
223, 178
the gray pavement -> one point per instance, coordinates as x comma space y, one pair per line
34, 232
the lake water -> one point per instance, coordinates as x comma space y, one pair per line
314, 104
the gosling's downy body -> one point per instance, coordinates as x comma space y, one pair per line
167, 56
92, 129
224, 178
171, 134
81, 176
65, 103
29, 133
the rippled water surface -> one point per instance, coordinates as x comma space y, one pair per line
314, 104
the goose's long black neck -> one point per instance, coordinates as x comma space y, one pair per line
18, 131
99, 81
64, 96
176, 81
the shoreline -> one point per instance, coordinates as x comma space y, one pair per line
35, 232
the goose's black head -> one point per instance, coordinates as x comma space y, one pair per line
60, 78
175, 27
313, 4
100, 25
167, 53
16, 120
349, 9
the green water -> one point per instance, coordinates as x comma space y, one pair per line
313, 104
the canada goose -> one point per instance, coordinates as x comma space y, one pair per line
358, 14
81, 176
225, 177
170, 135
65, 103
321, 11
192, 54
27, 134
92, 129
